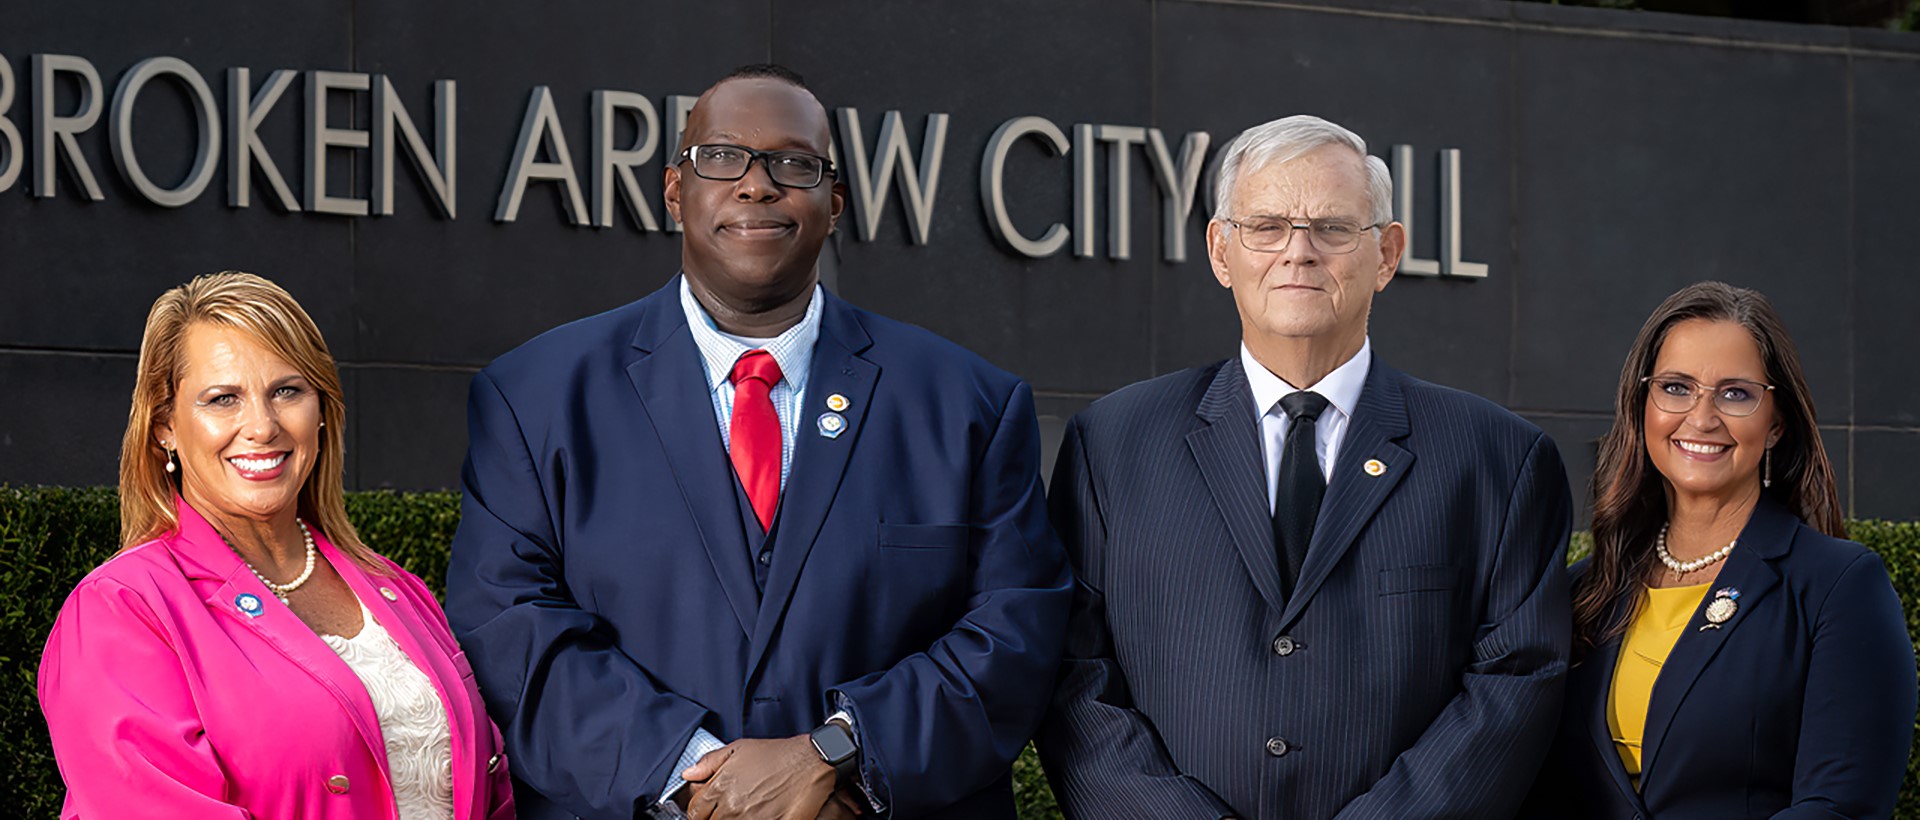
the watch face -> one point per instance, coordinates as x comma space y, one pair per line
834, 743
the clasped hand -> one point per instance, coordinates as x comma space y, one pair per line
761, 779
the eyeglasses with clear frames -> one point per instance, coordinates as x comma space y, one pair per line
1678, 394
726, 163
1270, 234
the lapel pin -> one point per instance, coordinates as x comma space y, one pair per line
1374, 467
832, 424
838, 403
389, 594
249, 603
1722, 608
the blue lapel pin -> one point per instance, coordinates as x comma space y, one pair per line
832, 424
249, 603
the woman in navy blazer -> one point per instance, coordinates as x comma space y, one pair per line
1735, 657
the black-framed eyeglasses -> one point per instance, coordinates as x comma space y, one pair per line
726, 163
1677, 394
1269, 234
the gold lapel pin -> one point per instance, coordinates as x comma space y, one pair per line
838, 403
1374, 467
1722, 608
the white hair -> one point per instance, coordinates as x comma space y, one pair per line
1286, 139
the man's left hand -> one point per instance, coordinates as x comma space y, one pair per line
760, 779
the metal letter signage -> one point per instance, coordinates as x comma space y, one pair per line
320, 138
610, 164
1178, 181
1450, 262
993, 186
10, 157
120, 129
390, 118
244, 116
872, 171
10, 154
51, 131
891, 159
541, 126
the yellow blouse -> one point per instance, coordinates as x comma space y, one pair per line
1657, 623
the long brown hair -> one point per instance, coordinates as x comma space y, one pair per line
1630, 501
262, 310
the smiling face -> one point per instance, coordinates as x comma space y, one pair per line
1706, 452
751, 242
245, 424
1300, 293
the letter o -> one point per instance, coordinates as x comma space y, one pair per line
120, 127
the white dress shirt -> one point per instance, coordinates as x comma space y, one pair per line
1341, 389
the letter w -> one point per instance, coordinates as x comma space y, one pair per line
871, 182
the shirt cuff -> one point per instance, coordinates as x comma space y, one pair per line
698, 746
843, 710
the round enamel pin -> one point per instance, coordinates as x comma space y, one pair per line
1374, 467
832, 424
1722, 608
249, 603
838, 403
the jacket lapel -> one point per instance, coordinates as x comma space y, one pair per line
1353, 495
819, 462
672, 386
1592, 681
1227, 449
206, 556
1767, 535
406, 632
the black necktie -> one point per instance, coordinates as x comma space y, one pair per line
1297, 502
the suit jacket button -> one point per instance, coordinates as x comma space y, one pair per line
1277, 747
493, 764
766, 558
337, 784
1284, 645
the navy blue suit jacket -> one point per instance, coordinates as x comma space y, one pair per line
1415, 671
1800, 706
603, 585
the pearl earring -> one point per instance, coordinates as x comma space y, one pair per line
170, 466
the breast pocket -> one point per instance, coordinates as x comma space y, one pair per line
923, 536
1421, 578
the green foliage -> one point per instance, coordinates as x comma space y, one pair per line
1898, 544
51, 537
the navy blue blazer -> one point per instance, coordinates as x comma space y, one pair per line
1415, 671
1800, 706
607, 592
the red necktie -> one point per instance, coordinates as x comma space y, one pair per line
755, 431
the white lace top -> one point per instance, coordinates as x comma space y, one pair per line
412, 719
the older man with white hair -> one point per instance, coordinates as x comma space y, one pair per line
1310, 586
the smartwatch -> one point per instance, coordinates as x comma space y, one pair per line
837, 746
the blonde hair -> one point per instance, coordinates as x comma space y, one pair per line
268, 314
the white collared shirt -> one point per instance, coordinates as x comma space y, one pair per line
1341, 388
792, 350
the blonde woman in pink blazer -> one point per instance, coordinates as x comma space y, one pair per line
244, 655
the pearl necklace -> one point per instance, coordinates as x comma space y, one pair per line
281, 590
1684, 567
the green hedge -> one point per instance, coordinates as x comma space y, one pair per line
50, 537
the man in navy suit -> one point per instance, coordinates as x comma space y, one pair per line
1308, 585
743, 523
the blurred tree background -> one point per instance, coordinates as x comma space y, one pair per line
1897, 15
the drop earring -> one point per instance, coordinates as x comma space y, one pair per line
170, 467
1766, 475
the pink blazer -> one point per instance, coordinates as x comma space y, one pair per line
165, 698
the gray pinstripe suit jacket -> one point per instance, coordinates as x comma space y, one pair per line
1415, 672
